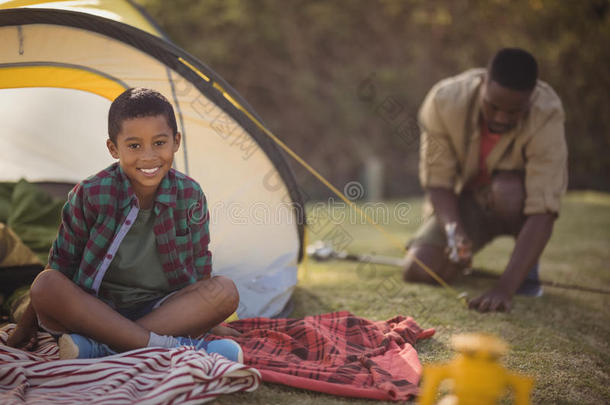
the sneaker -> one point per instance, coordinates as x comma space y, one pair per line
225, 347
74, 346
198, 344
531, 286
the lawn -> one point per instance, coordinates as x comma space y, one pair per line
561, 339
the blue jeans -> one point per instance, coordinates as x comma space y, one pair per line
138, 311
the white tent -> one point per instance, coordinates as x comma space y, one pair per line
61, 64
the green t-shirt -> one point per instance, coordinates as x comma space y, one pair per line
135, 274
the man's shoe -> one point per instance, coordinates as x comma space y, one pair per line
531, 286
74, 346
225, 347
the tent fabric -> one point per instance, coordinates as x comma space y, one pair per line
143, 376
65, 68
126, 12
34, 75
336, 353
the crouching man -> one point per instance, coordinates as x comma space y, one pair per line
493, 161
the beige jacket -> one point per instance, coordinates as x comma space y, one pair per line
450, 137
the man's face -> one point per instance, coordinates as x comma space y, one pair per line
145, 148
502, 108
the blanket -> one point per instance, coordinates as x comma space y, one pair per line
143, 376
336, 353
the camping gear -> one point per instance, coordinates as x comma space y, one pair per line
148, 375
322, 252
452, 242
336, 353
61, 65
33, 215
476, 374
13, 252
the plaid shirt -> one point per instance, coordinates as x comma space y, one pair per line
100, 211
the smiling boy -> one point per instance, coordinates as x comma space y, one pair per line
130, 267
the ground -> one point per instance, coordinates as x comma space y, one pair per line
561, 339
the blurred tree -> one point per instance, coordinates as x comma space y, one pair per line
338, 80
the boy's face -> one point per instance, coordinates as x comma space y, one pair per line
145, 148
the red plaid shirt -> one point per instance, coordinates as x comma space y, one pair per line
100, 211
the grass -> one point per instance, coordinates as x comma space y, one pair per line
561, 339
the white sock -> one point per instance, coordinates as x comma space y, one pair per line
165, 341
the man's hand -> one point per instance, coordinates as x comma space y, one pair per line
445, 204
491, 301
529, 246
463, 250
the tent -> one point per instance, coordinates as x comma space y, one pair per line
61, 64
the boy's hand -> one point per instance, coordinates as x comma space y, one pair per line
493, 300
222, 330
24, 337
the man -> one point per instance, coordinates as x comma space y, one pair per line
493, 161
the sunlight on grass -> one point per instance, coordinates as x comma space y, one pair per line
561, 339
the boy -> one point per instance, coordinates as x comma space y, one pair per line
130, 267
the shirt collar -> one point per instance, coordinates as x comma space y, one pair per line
477, 114
166, 192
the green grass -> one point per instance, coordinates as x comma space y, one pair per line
561, 339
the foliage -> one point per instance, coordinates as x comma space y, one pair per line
342, 80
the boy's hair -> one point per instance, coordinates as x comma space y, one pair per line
514, 68
136, 103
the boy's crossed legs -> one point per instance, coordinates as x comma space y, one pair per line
64, 307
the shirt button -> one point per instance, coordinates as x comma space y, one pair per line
128, 222
108, 256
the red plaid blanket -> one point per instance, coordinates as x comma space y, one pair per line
336, 353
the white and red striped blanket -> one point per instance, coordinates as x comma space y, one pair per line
143, 376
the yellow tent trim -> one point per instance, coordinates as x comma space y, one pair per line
399, 243
13, 77
194, 69
117, 10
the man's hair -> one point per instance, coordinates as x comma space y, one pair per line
514, 68
136, 103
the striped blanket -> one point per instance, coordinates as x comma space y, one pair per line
143, 376
336, 353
